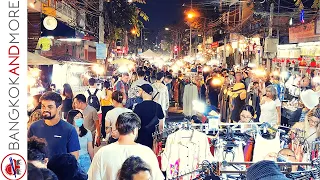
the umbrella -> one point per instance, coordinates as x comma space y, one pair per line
122, 61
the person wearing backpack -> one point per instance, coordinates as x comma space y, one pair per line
94, 95
150, 113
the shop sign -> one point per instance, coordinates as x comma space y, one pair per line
215, 44
303, 33
101, 51
44, 44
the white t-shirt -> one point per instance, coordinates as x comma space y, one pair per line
269, 111
112, 117
105, 166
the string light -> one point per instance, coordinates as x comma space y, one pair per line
291, 22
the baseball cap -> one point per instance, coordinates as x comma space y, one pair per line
147, 88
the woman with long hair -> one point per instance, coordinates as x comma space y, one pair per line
309, 129
67, 96
112, 116
75, 117
133, 78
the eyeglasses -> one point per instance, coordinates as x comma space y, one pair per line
313, 122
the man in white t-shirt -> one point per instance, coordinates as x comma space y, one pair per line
105, 166
111, 119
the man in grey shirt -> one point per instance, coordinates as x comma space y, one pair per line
91, 119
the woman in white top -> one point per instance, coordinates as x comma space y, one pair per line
270, 107
112, 116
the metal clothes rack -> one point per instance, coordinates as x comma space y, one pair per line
207, 168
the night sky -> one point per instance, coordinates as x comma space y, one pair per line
162, 13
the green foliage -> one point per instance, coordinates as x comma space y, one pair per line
121, 17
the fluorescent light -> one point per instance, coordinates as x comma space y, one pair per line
71, 40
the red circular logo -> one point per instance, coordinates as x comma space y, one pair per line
13, 166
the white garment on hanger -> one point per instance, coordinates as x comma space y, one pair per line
184, 151
190, 94
263, 147
236, 155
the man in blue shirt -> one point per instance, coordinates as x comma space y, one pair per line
61, 136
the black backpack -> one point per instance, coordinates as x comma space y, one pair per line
93, 100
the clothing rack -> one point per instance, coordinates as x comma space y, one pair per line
206, 167
182, 125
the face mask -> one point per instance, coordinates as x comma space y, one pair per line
78, 122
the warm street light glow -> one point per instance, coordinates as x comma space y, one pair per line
190, 15
167, 29
133, 31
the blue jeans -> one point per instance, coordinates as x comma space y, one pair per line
85, 162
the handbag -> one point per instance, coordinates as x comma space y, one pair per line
154, 119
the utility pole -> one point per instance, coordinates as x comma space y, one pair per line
190, 53
101, 22
237, 62
190, 48
101, 30
270, 35
271, 19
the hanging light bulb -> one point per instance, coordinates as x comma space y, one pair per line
291, 22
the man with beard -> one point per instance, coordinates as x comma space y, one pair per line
105, 166
61, 136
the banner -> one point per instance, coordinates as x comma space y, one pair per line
303, 33
13, 128
101, 51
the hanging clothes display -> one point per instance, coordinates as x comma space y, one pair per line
184, 151
229, 154
264, 147
190, 94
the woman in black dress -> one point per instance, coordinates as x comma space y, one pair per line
67, 99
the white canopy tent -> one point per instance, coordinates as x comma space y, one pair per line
149, 54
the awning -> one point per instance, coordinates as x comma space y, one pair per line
70, 59
37, 60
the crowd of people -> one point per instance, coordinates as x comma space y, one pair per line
64, 129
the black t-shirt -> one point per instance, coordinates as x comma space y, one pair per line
66, 106
147, 110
